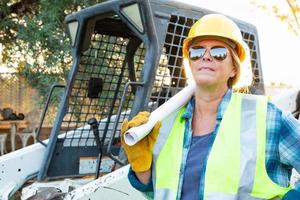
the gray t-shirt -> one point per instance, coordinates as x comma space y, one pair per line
194, 166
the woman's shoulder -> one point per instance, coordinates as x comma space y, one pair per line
274, 107
249, 96
284, 117
271, 107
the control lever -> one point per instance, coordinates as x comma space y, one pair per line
94, 125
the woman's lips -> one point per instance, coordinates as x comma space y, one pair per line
206, 69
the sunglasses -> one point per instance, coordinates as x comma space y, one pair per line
217, 52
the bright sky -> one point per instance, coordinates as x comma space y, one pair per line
279, 46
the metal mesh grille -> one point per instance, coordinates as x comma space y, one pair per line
250, 40
104, 59
171, 76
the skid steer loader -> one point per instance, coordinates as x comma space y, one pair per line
126, 58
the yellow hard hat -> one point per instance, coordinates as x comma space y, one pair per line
216, 25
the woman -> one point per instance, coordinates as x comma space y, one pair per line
221, 145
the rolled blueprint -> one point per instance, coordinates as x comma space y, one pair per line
135, 134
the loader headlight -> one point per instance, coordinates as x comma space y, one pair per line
132, 13
73, 26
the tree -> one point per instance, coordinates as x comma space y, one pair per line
33, 39
290, 13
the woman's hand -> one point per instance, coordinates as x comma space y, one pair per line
140, 154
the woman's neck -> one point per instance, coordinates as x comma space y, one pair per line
207, 100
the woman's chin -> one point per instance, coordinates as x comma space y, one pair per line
205, 82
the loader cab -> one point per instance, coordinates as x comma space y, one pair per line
127, 57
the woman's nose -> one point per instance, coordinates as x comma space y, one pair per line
207, 56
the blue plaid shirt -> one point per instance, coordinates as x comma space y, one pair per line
282, 148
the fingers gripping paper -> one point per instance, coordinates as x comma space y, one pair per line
135, 134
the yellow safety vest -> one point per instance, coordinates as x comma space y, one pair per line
236, 167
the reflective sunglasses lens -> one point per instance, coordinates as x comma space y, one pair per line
219, 53
196, 53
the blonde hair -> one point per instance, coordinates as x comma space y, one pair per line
238, 67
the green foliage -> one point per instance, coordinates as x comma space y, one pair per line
33, 39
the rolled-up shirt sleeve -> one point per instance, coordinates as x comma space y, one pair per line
289, 145
146, 189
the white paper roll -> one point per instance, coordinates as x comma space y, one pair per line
135, 134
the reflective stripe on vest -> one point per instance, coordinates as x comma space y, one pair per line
165, 180
236, 166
